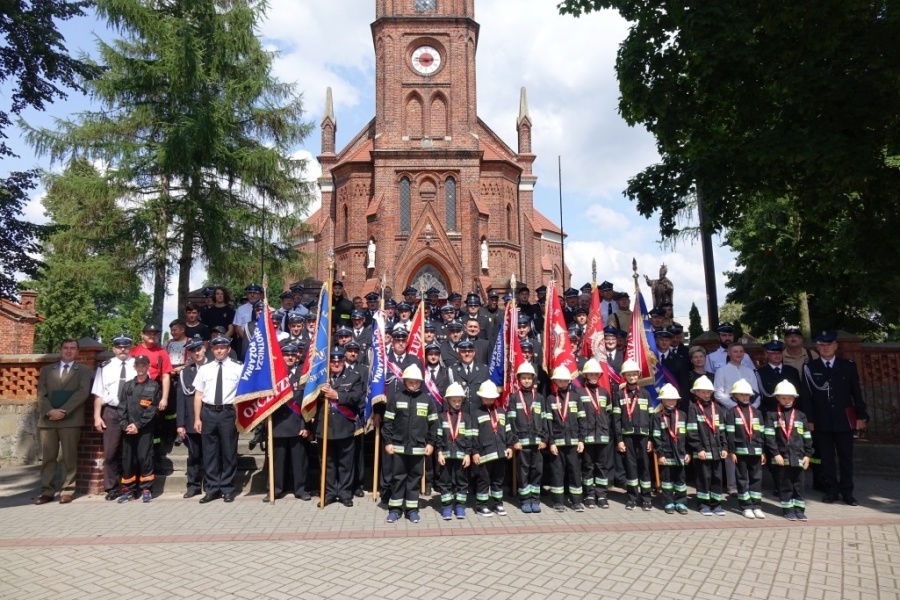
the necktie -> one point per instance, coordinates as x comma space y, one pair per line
65, 371
218, 397
778, 370
828, 368
609, 309
433, 372
468, 370
122, 376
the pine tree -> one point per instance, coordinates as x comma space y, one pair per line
695, 328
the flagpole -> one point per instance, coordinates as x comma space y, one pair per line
326, 406
270, 451
422, 485
511, 364
637, 292
377, 450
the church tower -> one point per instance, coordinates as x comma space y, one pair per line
427, 185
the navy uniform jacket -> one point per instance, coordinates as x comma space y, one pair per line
833, 398
442, 380
795, 448
598, 429
639, 421
470, 382
184, 402
769, 378
449, 355
138, 402
700, 436
661, 423
680, 368
286, 423
526, 418
351, 395
490, 444
466, 433
573, 429
736, 433
410, 421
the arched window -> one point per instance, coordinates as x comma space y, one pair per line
450, 200
509, 223
405, 205
346, 225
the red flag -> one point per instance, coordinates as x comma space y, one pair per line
637, 349
592, 343
557, 346
416, 345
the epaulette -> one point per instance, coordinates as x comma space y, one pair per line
236, 361
105, 362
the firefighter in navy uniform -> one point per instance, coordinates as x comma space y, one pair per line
493, 447
469, 374
291, 437
567, 424
399, 359
138, 406
529, 432
184, 417
631, 424
668, 435
343, 395
835, 408
594, 459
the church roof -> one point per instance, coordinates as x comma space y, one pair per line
316, 221
542, 223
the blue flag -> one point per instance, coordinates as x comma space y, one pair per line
661, 374
317, 359
497, 364
377, 360
264, 384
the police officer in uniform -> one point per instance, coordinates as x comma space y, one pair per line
214, 417
469, 374
291, 437
185, 417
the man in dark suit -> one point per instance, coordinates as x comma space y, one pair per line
291, 436
614, 356
63, 388
450, 346
473, 334
835, 409
362, 334
774, 372
469, 374
435, 370
676, 364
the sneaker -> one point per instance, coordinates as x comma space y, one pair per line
578, 507
146, 496
758, 513
790, 515
630, 505
669, 508
392, 516
748, 514
526, 506
681, 509
535, 507
447, 513
499, 510
719, 511
125, 497
706, 511
560, 508
413, 516
603, 503
647, 506
460, 511
590, 503
801, 516
484, 511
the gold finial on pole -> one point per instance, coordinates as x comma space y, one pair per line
594, 270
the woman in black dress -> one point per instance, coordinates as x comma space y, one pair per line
220, 313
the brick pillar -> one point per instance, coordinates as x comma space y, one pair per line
89, 479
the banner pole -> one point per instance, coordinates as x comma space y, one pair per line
423, 484
377, 450
326, 404
512, 323
270, 458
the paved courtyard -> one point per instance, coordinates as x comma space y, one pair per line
180, 549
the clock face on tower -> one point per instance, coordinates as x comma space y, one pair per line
426, 60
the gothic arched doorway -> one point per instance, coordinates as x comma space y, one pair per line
429, 276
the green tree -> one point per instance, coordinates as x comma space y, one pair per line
756, 104
195, 130
695, 328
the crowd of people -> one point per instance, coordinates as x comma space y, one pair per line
721, 419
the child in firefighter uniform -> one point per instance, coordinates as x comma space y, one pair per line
745, 434
567, 428
668, 434
493, 447
410, 432
706, 441
631, 425
138, 405
530, 436
790, 447
596, 443
455, 444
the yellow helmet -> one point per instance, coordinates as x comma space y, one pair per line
630, 366
741, 386
412, 372
525, 368
703, 383
669, 392
488, 390
592, 366
454, 390
786, 388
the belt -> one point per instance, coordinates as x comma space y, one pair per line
218, 408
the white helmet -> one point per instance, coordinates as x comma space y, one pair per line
561, 374
786, 388
592, 366
703, 383
630, 366
488, 389
412, 372
525, 368
741, 386
669, 392
454, 390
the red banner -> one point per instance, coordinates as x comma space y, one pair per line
557, 346
416, 345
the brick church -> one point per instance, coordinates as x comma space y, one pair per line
427, 194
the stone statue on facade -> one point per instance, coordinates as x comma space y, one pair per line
371, 252
484, 255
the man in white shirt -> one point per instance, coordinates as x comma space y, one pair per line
214, 418
111, 375
726, 376
608, 306
244, 313
719, 357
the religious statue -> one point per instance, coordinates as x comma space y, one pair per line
662, 288
371, 251
484, 254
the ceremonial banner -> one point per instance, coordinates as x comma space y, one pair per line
317, 359
497, 362
377, 361
557, 346
642, 349
592, 346
264, 384
416, 345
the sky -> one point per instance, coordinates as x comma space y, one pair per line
567, 66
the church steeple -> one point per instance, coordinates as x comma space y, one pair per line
329, 125
523, 124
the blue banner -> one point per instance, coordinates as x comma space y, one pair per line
317, 376
497, 364
377, 362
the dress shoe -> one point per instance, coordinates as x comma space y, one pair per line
849, 499
190, 493
359, 493
228, 497
210, 498
348, 502
111, 495
65, 499
304, 496
829, 498
43, 499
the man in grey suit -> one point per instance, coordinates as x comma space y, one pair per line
63, 388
